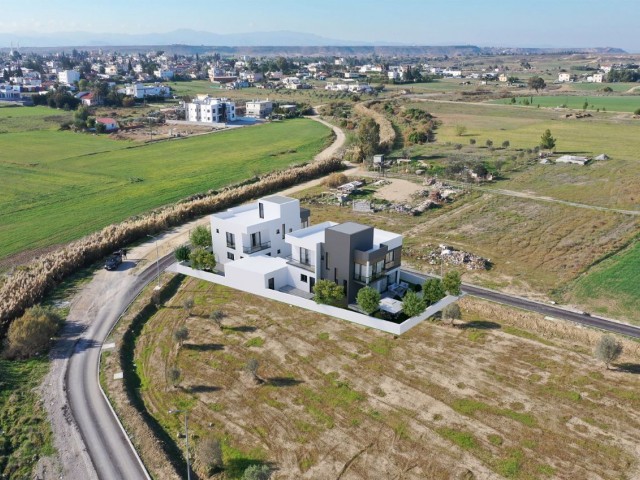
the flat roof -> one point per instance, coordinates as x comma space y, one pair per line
313, 234
350, 228
279, 199
261, 264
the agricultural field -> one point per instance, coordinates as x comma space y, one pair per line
59, 186
610, 103
491, 398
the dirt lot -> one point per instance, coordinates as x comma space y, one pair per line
398, 190
335, 400
162, 132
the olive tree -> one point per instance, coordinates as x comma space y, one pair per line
328, 293
451, 282
201, 236
608, 349
368, 299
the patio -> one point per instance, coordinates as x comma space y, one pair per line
297, 292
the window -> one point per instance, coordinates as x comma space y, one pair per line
278, 251
326, 258
283, 230
260, 209
231, 240
290, 230
390, 257
278, 231
217, 230
303, 278
230, 256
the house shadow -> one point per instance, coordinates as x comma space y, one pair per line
242, 329
202, 389
204, 347
283, 381
629, 367
482, 325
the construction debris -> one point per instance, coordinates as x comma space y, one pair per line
448, 255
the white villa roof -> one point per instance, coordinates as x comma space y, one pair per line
261, 264
313, 234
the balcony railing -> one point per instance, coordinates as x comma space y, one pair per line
296, 262
231, 245
370, 278
256, 248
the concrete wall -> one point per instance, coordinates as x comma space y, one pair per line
348, 315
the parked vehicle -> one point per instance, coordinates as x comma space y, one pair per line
114, 261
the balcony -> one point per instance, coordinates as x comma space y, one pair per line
297, 263
368, 279
256, 248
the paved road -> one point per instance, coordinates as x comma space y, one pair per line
548, 310
111, 452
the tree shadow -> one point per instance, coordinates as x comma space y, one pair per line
242, 329
482, 325
205, 347
283, 381
126, 265
629, 367
202, 389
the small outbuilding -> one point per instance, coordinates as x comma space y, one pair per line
574, 159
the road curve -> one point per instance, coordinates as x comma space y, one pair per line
109, 448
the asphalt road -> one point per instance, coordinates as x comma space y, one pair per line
548, 310
111, 452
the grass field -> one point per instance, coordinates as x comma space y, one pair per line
491, 398
611, 103
593, 87
60, 185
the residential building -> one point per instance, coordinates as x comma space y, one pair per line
256, 229
164, 74
259, 108
109, 123
210, 110
10, 92
68, 77
564, 77
503, 77
596, 78
138, 90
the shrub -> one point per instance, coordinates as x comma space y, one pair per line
452, 312
201, 236
368, 299
175, 375
188, 304
506, 144
636, 111
489, 143
451, 282
328, 293
30, 334
202, 259
335, 180
460, 130
608, 350
209, 455
257, 472
432, 290
412, 304
181, 334
216, 316
182, 253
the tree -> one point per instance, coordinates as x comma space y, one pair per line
328, 293
100, 127
585, 105
368, 299
506, 144
432, 290
30, 334
608, 350
536, 83
460, 130
181, 334
175, 375
216, 316
472, 141
489, 143
188, 304
252, 368
209, 455
202, 259
547, 141
256, 472
368, 137
452, 312
451, 282
636, 111
480, 170
413, 304
201, 236
182, 253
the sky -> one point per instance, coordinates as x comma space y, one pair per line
517, 23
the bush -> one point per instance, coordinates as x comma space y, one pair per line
452, 312
412, 304
181, 334
451, 282
335, 180
608, 350
460, 130
209, 455
636, 111
257, 472
432, 290
30, 334
182, 253
506, 144
328, 293
202, 259
201, 236
368, 299
489, 143
472, 141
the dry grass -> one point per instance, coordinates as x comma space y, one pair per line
28, 283
430, 404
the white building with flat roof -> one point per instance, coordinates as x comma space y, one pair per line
258, 108
210, 110
68, 77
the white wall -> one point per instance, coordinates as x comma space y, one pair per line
335, 312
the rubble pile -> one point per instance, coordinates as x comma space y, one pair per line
450, 256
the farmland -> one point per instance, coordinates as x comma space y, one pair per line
61, 185
490, 398
611, 103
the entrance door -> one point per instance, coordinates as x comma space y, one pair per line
312, 282
272, 284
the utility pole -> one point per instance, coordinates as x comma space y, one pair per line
157, 263
186, 438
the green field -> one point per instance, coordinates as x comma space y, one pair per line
58, 186
592, 87
611, 103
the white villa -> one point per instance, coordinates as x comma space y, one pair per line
206, 109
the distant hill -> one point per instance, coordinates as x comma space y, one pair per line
256, 43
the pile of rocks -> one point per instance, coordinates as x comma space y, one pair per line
450, 256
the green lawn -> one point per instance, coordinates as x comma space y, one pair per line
58, 186
612, 103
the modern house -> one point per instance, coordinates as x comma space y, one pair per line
269, 244
564, 77
68, 77
259, 108
138, 90
207, 109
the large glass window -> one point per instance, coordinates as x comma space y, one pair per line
231, 240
